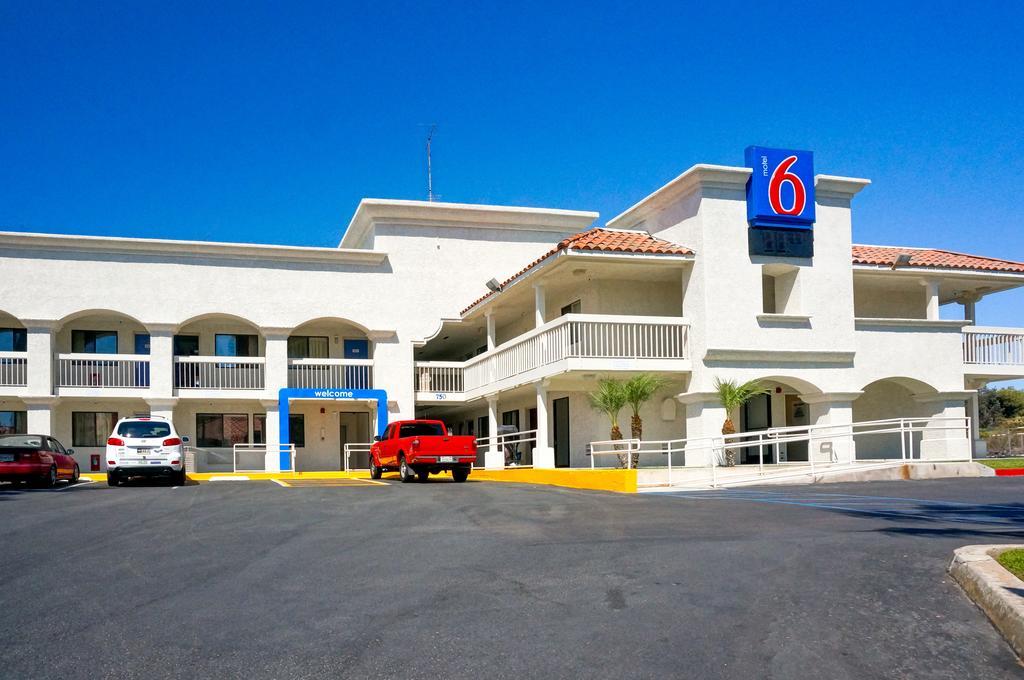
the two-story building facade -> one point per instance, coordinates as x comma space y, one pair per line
487, 316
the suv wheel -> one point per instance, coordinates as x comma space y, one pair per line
405, 472
112, 479
180, 478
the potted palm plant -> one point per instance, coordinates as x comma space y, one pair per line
609, 398
732, 396
639, 389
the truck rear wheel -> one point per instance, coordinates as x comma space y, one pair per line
405, 472
423, 475
460, 474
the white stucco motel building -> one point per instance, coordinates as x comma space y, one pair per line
207, 334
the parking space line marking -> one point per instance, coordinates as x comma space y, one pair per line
278, 481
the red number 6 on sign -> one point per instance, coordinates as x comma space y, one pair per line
780, 177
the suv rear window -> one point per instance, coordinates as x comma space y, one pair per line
421, 430
141, 429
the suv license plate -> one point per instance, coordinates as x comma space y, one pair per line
446, 459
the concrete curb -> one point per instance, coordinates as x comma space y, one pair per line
995, 590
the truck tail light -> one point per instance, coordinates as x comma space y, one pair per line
115, 441
173, 441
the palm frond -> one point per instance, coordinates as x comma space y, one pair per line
733, 395
640, 388
609, 398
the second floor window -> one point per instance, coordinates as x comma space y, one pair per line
235, 345
13, 340
94, 342
307, 347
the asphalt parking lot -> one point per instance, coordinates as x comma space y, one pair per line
439, 580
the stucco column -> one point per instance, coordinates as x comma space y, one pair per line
40, 348
162, 408
489, 318
543, 453
979, 447
539, 305
970, 301
39, 415
832, 441
704, 419
931, 294
943, 437
494, 457
276, 369
392, 366
272, 435
161, 360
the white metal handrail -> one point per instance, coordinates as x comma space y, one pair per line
102, 370
219, 373
359, 447
13, 369
349, 374
257, 453
989, 345
711, 450
508, 444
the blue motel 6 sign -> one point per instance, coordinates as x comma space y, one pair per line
781, 188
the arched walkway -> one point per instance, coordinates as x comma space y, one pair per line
884, 399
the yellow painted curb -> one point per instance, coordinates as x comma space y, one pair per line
619, 481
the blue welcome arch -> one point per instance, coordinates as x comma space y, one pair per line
286, 394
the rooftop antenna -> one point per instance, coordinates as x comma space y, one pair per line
431, 129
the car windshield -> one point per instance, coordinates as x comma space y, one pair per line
21, 441
421, 430
142, 429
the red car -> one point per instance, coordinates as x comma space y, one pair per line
36, 459
417, 448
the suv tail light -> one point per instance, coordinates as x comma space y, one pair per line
115, 441
173, 441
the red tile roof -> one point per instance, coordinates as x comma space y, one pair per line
930, 257
601, 240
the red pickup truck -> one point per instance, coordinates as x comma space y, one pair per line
418, 447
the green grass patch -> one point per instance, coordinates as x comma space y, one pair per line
1013, 561
1002, 463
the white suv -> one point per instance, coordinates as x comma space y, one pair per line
145, 447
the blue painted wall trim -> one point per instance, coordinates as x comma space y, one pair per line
286, 394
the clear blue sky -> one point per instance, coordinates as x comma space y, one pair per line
268, 122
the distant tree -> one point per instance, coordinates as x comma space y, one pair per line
998, 405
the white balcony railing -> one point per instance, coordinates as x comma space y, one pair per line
439, 376
102, 370
993, 346
13, 369
574, 336
219, 373
349, 374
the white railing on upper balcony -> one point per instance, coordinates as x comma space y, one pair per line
439, 376
989, 345
13, 369
102, 370
581, 336
219, 373
349, 374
